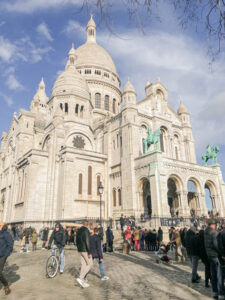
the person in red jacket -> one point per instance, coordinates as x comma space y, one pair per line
128, 234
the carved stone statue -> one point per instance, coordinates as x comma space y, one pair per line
211, 153
152, 139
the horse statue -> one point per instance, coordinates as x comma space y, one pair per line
210, 153
152, 139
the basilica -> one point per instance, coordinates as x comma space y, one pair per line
90, 130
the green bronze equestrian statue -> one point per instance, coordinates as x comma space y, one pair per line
210, 153
152, 139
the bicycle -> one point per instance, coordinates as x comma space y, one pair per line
53, 264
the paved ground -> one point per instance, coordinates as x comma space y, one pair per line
136, 276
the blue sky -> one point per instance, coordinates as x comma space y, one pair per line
35, 37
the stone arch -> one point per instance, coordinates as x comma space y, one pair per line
210, 195
143, 135
164, 139
193, 191
45, 143
144, 190
174, 187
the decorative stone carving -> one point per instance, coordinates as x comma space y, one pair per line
78, 142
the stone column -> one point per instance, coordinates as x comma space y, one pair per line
186, 209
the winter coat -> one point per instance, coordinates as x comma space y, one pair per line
6, 243
109, 235
136, 235
127, 233
194, 245
187, 239
83, 240
122, 221
142, 235
160, 235
27, 237
202, 251
44, 236
101, 233
211, 244
221, 242
95, 246
34, 237
176, 238
59, 238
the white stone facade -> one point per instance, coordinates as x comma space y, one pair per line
54, 156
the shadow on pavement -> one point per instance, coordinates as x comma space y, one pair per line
173, 273
10, 273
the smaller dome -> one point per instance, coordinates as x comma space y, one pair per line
182, 109
129, 87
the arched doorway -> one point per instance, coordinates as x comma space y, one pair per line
191, 197
210, 192
172, 196
145, 196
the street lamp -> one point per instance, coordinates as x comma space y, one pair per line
100, 190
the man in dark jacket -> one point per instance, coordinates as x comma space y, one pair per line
122, 222
6, 248
109, 239
160, 235
212, 251
96, 252
59, 237
83, 246
191, 232
221, 256
195, 256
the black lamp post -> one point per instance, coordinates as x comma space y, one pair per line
100, 190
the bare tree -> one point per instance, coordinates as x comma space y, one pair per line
207, 16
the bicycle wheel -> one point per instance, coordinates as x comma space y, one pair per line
52, 266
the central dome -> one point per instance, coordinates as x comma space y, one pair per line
91, 54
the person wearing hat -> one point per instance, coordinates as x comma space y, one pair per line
6, 248
59, 237
212, 251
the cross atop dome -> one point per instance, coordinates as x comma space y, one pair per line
91, 30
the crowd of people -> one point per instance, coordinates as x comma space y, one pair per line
190, 244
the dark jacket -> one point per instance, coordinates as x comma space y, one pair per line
160, 235
83, 240
44, 235
202, 250
27, 237
6, 243
95, 246
211, 245
194, 245
109, 235
59, 238
101, 233
187, 238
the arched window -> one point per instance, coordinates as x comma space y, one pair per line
80, 185
106, 102
89, 180
176, 153
76, 109
114, 197
114, 106
81, 111
97, 100
61, 106
66, 108
119, 197
163, 138
98, 182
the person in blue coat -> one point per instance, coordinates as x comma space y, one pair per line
6, 248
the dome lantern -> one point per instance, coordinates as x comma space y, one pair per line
91, 30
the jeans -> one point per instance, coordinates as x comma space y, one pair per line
61, 251
2, 278
101, 267
27, 247
217, 276
194, 260
142, 244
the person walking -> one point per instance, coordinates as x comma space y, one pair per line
128, 235
177, 240
160, 236
212, 251
6, 248
59, 237
44, 237
142, 239
136, 239
109, 239
187, 240
96, 252
27, 239
204, 257
195, 256
122, 222
83, 246
34, 237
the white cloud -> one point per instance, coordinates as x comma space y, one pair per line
44, 31
7, 99
13, 83
7, 49
74, 29
28, 6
